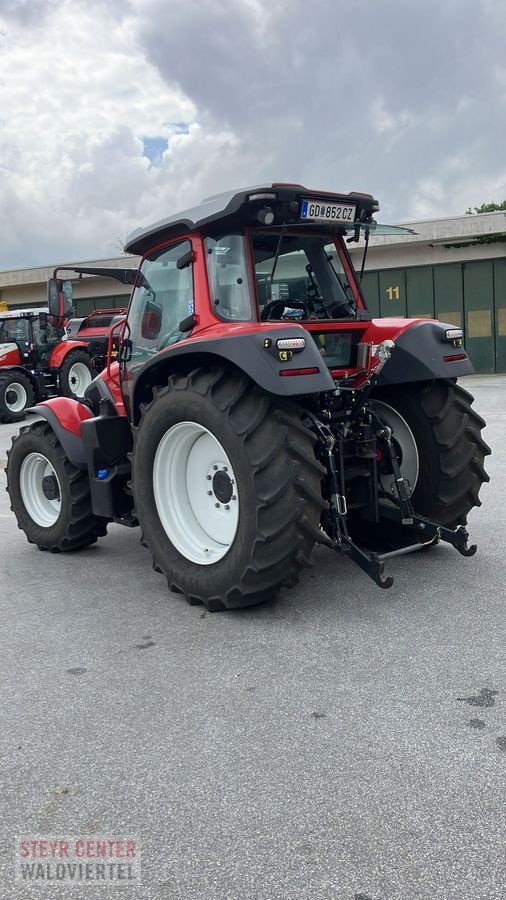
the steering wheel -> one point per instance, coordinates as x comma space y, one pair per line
274, 309
168, 339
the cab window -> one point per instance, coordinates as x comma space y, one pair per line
162, 299
299, 276
17, 330
44, 335
229, 277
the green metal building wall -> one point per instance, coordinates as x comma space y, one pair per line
85, 305
470, 294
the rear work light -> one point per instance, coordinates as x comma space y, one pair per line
291, 343
311, 371
262, 196
454, 334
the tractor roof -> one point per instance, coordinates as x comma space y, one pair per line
22, 313
241, 207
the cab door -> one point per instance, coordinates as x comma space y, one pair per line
162, 299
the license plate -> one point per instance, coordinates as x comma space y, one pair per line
321, 211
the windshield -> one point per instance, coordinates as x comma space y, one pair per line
299, 276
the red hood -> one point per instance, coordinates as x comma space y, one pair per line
9, 354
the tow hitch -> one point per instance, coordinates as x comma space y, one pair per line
398, 509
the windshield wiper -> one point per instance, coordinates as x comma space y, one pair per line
362, 267
276, 257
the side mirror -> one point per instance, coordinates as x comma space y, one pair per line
59, 298
43, 321
151, 322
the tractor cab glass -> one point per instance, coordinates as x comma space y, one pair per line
15, 331
229, 277
44, 333
162, 299
299, 276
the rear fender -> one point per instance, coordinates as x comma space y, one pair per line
421, 353
65, 415
253, 352
62, 350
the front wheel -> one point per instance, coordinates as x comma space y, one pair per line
75, 374
226, 488
16, 396
49, 496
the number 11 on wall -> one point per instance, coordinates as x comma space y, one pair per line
394, 293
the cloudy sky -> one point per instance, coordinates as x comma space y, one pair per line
114, 113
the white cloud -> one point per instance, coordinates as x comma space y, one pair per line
403, 100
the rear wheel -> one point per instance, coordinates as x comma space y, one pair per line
49, 496
437, 435
16, 395
75, 374
226, 488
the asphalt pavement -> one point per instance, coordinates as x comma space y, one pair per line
340, 743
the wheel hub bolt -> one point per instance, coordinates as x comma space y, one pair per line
217, 505
215, 468
227, 506
209, 493
209, 477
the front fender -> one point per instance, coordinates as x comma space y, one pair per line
65, 415
62, 350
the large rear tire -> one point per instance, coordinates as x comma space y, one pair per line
49, 496
450, 454
226, 488
16, 395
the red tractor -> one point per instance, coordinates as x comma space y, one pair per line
257, 409
35, 362
94, 331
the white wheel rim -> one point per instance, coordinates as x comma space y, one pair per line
15, 397
195, 492
403, 436
34, 469
79, 378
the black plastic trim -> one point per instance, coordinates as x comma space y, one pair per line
418, 356
248, 353
96, 393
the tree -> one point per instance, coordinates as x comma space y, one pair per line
486, 207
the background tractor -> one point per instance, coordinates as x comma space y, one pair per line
39, 357
35, 362
93, 330
256, 408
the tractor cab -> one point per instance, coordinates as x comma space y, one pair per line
27, 338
